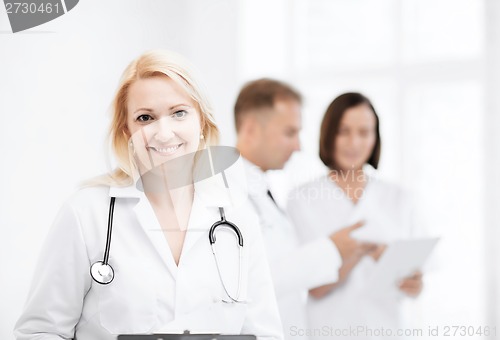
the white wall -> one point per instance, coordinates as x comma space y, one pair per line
492, 161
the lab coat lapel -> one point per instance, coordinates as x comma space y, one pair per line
147, 219
200, 221
209, 195
149, 223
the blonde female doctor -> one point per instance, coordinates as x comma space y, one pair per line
164, 277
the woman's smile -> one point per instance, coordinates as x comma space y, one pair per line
165, 150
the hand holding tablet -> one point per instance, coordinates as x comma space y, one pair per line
401, 259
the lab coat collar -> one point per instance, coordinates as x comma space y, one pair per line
370, 173
203, 215
125, 191
211, 191
209, 195
257, 179
201, 220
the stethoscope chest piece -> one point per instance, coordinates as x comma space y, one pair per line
102, 273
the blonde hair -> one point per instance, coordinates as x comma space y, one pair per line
151, 64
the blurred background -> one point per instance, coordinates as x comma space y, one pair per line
431, 68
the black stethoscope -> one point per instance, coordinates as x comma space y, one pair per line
102, 272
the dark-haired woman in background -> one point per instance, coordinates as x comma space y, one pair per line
350, 147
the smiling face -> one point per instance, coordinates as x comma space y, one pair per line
355, 138
163, 120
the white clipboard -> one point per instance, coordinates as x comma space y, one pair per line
401, 259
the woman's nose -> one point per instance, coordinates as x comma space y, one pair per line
355, 140
163, 130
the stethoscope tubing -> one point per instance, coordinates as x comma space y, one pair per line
110, 230
211, 237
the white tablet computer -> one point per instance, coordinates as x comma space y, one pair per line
401, 259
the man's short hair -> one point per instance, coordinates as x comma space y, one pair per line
262, 93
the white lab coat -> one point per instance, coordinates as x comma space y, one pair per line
295, 268
319, 208
150, 293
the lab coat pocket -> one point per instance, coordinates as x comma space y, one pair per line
127, 305
231, 316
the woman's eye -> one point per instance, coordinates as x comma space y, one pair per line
180, 114
144, 118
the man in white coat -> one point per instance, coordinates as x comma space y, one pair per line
268, 121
